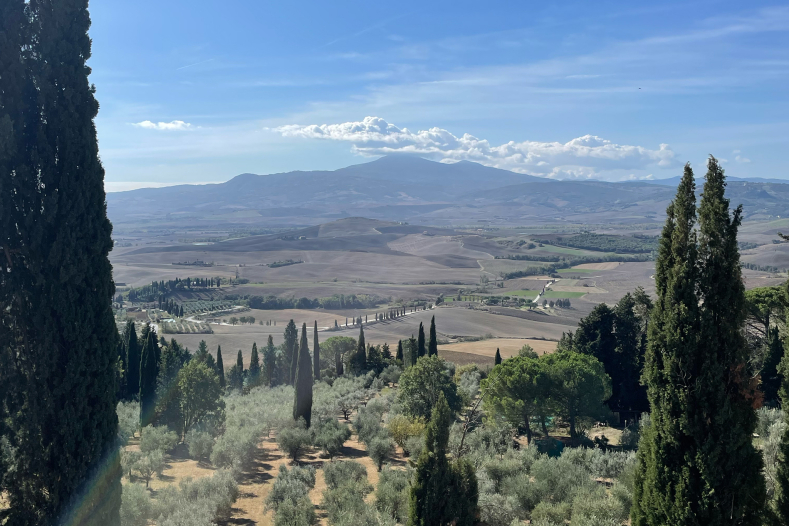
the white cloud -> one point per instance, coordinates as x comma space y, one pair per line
172, 125
581, 158
741, 159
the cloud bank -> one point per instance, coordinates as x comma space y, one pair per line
172, 125
584, 157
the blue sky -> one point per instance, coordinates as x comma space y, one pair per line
202, 91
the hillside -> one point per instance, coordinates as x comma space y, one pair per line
403, 188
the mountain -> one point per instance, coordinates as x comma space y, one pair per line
406, 188
674, 181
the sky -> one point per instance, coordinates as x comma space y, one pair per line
202, 91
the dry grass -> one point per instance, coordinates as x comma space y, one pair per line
611, 265
508, 347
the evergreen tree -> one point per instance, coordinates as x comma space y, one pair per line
399, 355
149, 374
291, 348
254, 366
358, 361
132, 348
220, 367
168, 398
432, 343
497, 359
316, 352
302, 404
770, 375
697, 464
420, 341
782, 475
442, 493
235, 377
270, 363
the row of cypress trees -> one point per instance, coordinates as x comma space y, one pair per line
58, 340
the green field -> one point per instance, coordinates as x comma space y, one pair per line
524, 293
574, 271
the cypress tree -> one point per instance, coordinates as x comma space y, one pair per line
240, 361
399, 355
133, 360
220, 366
420, 342
149, 374
432, 343
782, 476
302, 404
697, 464
770, 374
497, 359
442, 493
358, 361
57, 336
254, 366
291, 348
316, 352
270, 360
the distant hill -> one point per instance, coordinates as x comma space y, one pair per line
406, 188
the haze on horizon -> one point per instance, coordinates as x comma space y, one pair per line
577, 91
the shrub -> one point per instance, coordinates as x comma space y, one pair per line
468, 385
610, 464
200, 444
391, 496
550, 514
128, 419
497, 510
367, 425
293, 439
391, 374
330, 437
235, 447
299, 512
414, 446
346, 501
128, 460
380, 449
559, 479
293, 485
157, 438
199, 502
135, 505
401, 428
766, 418
595, 508
497, 469
344, 472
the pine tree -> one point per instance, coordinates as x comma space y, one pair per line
220, 367
149, 374
254, 366
420, 342
132, 348
697, 464
432, 343
302, 404
442, 493
399, 355
316, 352
497, 359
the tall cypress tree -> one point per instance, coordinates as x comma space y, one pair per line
132, 347
220, 366
432, 343
358, 361
497, 358
291, 350
782, 476
270, 361
399, 355
420, 342
254, 366
697, 464
149, 373
58, 329
316, 352
442, 493
302, 404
